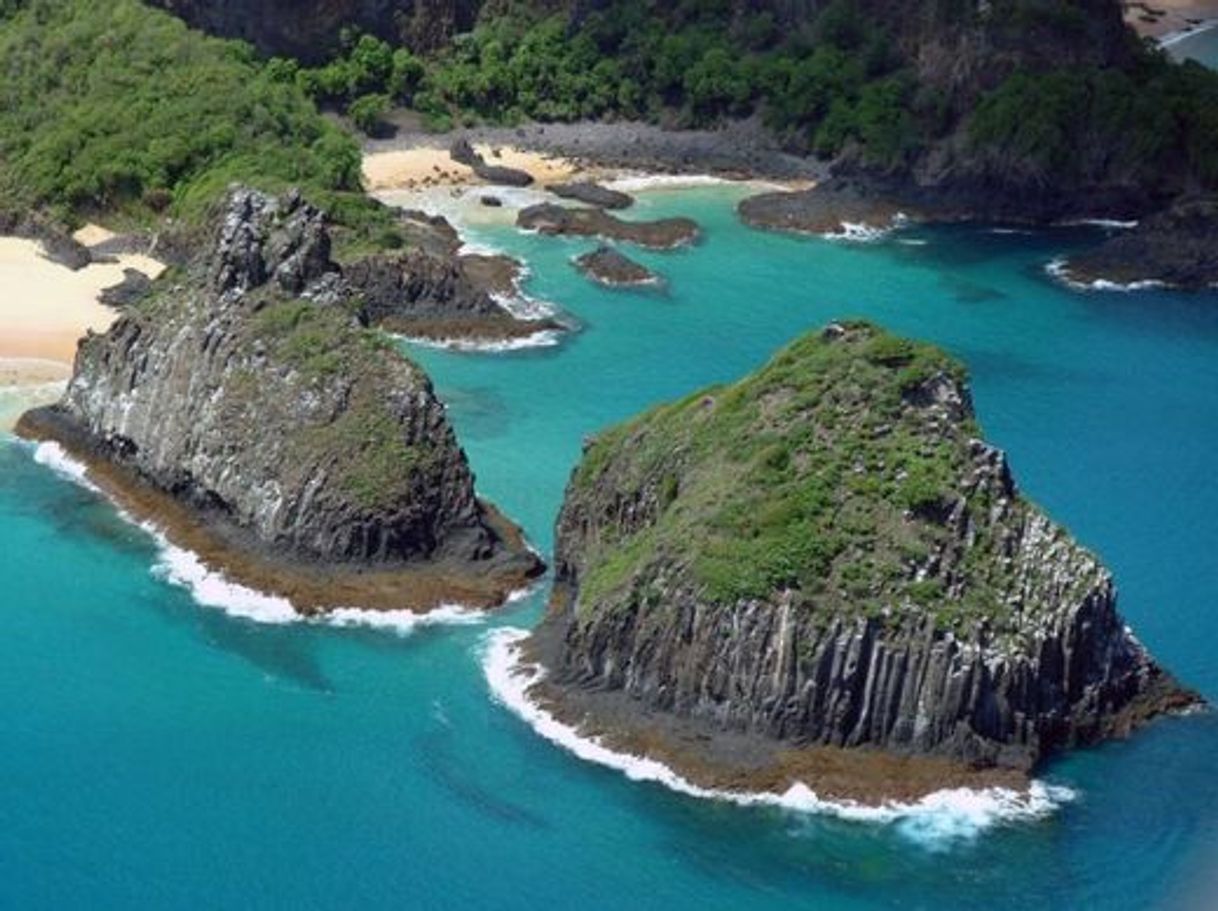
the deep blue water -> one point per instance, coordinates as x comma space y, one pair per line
156, 753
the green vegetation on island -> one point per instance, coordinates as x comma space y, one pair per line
847, 452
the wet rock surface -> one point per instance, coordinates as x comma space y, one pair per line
663, 234
609, 267
1178, 248
593, 194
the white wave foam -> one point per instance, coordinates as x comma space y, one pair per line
1176, 37
1058, 269
404, 622
54, 457
641, 182
213, 589
853, 232
938, 817
1101, 223
546, 338
209, 588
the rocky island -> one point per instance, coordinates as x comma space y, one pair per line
244, 409
823, 574
1177, 248
609, 267
661, 234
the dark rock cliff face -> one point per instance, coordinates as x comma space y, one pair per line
422, 294
1178, 247
953, 621
309, 30
249, 393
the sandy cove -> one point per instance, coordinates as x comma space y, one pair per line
1166, 18
428, 166
45, 307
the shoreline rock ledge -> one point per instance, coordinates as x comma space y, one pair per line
822, 574
244, 410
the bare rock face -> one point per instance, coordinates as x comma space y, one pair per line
609, 267
250, 396
1178, 248
421, 294
662, 234
826, 554
593, 194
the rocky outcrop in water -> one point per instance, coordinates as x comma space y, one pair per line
662, 234
246, 410
423, 295
827, 555
1178, 248
593, 194
609, 267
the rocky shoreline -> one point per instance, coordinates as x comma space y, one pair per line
248, 413
1176, 248
311, 587
741, 597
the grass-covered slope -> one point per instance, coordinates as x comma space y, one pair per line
825, 553
114, 106
817, 474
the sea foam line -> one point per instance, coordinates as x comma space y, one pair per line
545, 338
943, 815
1058, 270
1177, 36
641, 182
210, 588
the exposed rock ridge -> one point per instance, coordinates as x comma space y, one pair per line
1044, 662
250, 394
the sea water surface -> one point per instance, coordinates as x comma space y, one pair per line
159, 753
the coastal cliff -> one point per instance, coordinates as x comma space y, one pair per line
310, 30
242, 407
826, 560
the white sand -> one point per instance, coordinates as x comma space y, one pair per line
45, 308
1168, 17
91, 235
410, 169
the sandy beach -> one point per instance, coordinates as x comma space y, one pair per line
425, 166
45, 307
1166, 18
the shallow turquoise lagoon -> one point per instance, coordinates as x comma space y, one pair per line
157, 753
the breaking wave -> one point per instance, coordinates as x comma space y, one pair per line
210, 588
946, 815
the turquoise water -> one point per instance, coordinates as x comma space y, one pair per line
155, 753
1201, 46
